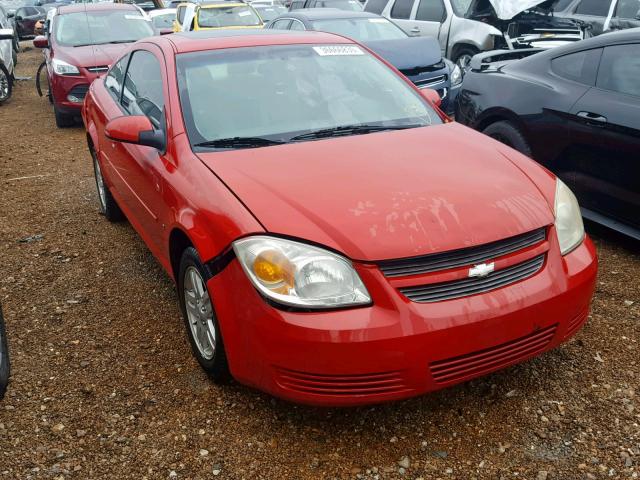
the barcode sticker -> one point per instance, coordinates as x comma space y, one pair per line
338, 50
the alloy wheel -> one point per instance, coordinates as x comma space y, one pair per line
102, 193
199, 313
4, 85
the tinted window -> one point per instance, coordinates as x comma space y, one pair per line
29, 11
628, 8
402, 9
620, 69
143, 93
296, 25
599, 8
282, 24
113, 80
580, 67
431, 11
375, 6
297, 4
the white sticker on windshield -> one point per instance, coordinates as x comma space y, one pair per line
244, 13
338, 50
377, 20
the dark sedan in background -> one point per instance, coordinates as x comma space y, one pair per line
418, 58
576, 110
25, 19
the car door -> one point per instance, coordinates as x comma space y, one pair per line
607, 118
143, 93
400, 12
428, 18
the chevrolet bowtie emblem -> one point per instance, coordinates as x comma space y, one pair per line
482, 270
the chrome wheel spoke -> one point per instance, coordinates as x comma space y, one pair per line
199, 311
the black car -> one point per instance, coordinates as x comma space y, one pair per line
574, 109
418, 58
4, 358
349, 5
25, 19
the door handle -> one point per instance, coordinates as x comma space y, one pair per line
415, 30
593, 118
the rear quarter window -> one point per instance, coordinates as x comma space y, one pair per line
580, 67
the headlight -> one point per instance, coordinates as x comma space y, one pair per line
568, 219
64, 68
456, 76
300, 275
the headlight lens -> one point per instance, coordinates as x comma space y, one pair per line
300, 275
64, 68
568, 219
456, 76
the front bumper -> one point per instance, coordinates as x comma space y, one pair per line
397, 348
62, 86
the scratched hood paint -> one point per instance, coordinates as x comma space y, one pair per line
389, 194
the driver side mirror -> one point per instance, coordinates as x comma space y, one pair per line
137, 130
6, 34
18, 18
41, 42
432, 96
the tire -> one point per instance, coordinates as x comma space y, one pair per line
464, 55
6, 84
108, 206
199, 315
507, 133
4, 358
63, 120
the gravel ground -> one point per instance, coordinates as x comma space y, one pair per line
104, 384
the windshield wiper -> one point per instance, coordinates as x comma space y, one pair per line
347, 130
239, 142
105, 43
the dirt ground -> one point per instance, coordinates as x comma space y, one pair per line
104, 384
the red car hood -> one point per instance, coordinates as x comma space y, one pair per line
387, 195
92, 55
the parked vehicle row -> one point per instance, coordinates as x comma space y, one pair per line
602, 15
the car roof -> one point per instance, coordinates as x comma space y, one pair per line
95, 7
327, 13
184, 42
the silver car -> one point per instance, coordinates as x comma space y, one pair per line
467, 27
602, 15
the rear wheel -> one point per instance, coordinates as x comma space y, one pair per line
108, 206
507, 133
63, 120
6, 84
200, 317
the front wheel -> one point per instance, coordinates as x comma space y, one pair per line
6, 84
200, 317
464, 56
108, 206
510, 135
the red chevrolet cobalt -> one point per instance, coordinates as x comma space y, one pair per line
335, 239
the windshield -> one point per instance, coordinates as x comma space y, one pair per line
164, 20
280, 92
268, 13
232, 16
100, 27
349, 5
361, 29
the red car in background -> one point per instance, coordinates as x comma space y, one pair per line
82, 43
335, 239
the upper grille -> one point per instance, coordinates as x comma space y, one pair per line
430, 81
485, 361
353, 384
438, 292
460, 258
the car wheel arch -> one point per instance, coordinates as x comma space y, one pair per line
499, 115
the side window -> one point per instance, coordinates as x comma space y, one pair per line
297, 25
180, 13
620, 69
143, 93
375, 6
628, 9
598, 8
580, 67
282, 24
431, 11
113, 80
20, 13
297, 4
402, 9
